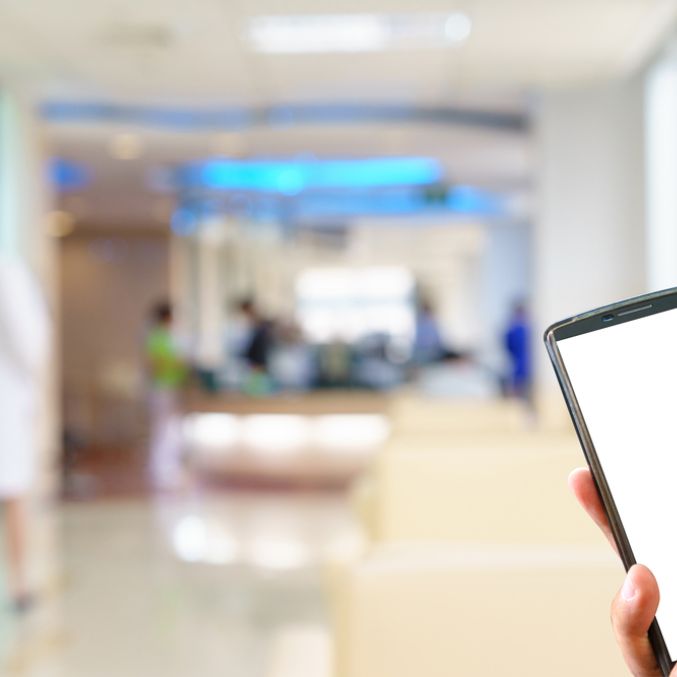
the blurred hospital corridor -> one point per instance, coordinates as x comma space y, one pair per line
273, 282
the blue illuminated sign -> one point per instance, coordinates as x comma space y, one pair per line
291, 178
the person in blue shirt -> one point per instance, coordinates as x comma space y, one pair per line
517, 341
428, 345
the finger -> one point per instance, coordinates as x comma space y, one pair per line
585, 491
632, 612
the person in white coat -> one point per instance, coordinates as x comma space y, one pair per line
24, 342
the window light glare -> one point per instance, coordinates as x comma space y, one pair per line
351, 303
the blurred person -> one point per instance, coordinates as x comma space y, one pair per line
292, 363
168, 374
335, 364
256, 348
373, 366
517, 344
634, 607
429, 347
24, 345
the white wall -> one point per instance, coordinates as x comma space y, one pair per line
590, 234
661, 173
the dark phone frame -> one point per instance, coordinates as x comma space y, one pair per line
597, 320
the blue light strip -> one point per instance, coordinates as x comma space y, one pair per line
291, 178
327, 207
461, 200
185, 118
148, 116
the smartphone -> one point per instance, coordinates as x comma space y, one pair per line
617, 367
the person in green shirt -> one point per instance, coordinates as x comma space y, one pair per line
168, 373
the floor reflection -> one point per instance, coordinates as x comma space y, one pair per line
207, 584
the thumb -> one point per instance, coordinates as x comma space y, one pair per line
632, 613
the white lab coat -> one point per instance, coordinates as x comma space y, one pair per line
24, 344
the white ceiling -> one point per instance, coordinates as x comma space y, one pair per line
170, 52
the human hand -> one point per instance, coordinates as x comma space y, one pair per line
634, 606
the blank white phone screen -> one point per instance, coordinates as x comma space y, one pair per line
625, 380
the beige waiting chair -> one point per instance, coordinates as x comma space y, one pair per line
412, 414
476, 611
480, 561
474, 495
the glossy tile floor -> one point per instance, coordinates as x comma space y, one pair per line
228, 584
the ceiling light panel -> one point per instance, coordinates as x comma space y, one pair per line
357, 32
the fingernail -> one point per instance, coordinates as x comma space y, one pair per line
628, 591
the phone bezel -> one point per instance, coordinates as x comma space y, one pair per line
628, 310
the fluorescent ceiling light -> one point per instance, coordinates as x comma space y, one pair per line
346, 33
125, 146
357, 32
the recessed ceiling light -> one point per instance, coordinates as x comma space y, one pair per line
125, 146
60, 223
357, 32
331, 33
229, 144
458, 27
